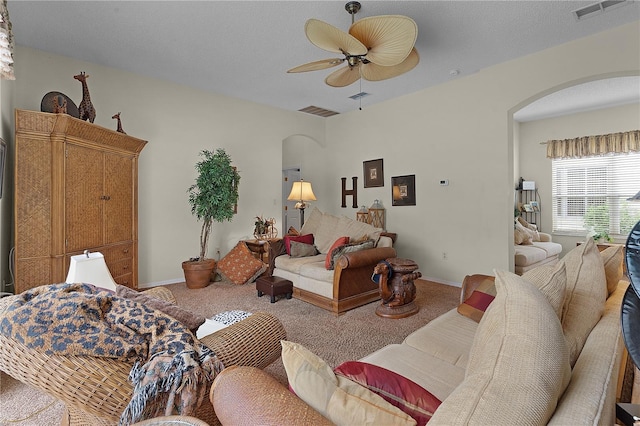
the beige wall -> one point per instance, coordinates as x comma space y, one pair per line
535, 166
178, 122
461, 131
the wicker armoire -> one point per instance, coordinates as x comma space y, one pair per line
76, 189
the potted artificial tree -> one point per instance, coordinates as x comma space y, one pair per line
212, 198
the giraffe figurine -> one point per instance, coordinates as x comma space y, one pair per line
85, 109
59, 105
117, 117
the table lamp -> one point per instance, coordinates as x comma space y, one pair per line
301, 191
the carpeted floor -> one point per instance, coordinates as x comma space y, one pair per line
334, 338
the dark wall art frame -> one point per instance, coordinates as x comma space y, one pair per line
373, 173
403, 190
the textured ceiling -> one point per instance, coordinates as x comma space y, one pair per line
243, 48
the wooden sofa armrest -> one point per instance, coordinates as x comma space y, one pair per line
254, 341
249, 396
365, 257
470, 283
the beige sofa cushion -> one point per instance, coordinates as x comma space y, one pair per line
585, 295
327, 228
339, 399
552, 282
612, 258
447, 337
518, 365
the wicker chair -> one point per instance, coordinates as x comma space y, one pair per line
96, 390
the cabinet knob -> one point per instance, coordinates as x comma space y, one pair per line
125, 251
105, 197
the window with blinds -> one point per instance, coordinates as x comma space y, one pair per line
590, 194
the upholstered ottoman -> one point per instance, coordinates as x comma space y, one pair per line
274, 286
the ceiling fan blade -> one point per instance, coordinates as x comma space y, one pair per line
374, 72
344, 76
389, 38
332, 39
317, 65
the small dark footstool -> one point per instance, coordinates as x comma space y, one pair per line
274, 286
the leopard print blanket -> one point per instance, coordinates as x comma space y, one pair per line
172, 369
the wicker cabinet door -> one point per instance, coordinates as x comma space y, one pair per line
83, 197
119, 191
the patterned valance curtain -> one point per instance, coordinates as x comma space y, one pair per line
590, 146
6, 44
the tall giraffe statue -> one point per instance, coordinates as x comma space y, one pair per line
85, 109
117, 117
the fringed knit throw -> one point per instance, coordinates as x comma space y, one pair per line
172, 369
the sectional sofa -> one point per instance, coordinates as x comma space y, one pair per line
542, 348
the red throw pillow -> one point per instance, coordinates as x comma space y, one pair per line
307, 239
401, 392
337, 243
479, 300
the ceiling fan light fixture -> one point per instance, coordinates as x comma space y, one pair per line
376, 48
373, 72
390, 38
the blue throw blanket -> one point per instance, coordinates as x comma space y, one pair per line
172, 369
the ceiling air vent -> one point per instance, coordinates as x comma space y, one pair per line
359, 96
597, 8
318, 111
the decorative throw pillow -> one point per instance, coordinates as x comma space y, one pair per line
306, 238
520, 237
552, 283
188, 319
312, 222
302, 249
503, 380
337, 243
522, 230
533, 229
293, 231
585, 296
612, 257
476, 304
403, 393
339, 399
240, 266
348, 248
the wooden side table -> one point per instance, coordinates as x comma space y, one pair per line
260, 248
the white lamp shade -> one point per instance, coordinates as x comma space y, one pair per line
90, 269
301, 191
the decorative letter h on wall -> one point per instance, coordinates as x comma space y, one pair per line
353, 192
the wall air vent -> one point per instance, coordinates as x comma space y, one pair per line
318, 111
359, 96
597, 8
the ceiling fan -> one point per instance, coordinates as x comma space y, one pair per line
376, 48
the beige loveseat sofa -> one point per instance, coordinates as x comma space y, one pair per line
348, 283
533, 248
547, 350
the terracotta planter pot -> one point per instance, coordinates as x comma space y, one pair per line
197, 273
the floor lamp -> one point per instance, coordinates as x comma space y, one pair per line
301, 191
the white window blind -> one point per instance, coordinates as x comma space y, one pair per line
590, 194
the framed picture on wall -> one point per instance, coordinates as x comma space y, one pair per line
3, 155
373, 173
403, 190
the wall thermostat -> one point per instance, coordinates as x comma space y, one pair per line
444, 182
